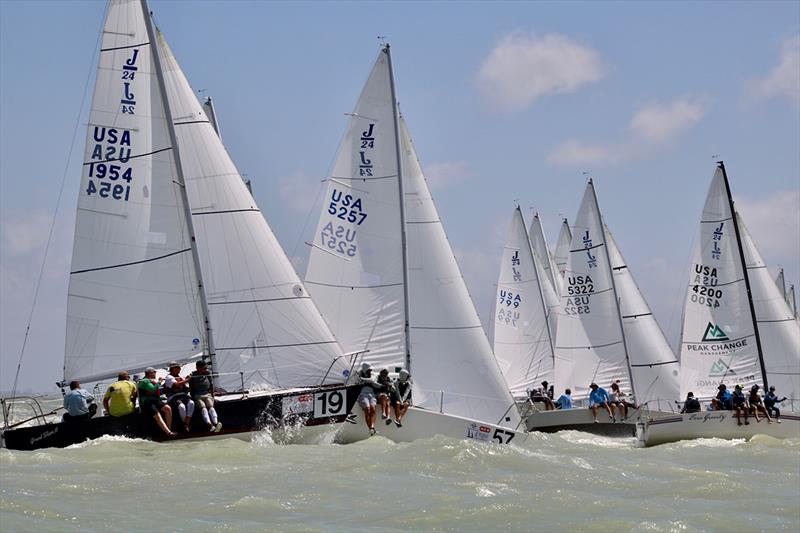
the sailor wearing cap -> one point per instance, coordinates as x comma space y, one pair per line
366, 398
177, 390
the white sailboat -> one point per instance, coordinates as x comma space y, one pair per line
737, 329
521, 327
384, 276
562, 248
606, 331
787, 291
170, 248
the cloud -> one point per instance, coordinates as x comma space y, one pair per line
784, 78
650, 127
442, 175
776, 237
293, 190
25, 234
522, 68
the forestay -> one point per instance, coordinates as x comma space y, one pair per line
719, 343
654, 367
777, 327
355, 269
590, 346
264, 323
522, 340
133, 299
451, 359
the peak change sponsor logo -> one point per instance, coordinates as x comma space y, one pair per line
714, 333
720, 368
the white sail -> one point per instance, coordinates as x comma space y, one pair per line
521, 336
787, 291
778, 330
654, 367
355, 270
267, 330
590, 346
719, 343
539, 243
133, 299
562, 248
451, 359
791, 299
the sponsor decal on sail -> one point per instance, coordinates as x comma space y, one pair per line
720, 368
714, 333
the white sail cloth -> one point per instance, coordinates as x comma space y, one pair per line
778, 330
520, 333
562, 248
267, 331
539, 243
590, 346
357, 277
654, 367
133, 297
718, 343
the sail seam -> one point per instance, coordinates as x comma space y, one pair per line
352, 286
588, 347
445, 327
589, 248
726, 341
123, 47
260, 300
715, 221
655, 364
425, 222
131, 263
131, 157
779, 320
361, 178
254, 209
636, 316
719, 284
271, 346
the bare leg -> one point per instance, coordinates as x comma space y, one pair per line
610, 409
162, 425
594, 411
366, 417
167, 410
372, 414
401, 411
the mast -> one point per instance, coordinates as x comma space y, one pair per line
614, 288
403, 242
212, 115
208, 349
735, 218
541, 293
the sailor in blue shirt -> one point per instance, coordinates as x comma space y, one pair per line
565, 400
79, 403
598, 397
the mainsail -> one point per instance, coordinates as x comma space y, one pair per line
522, 339
779, 331
370, 290
267, 330
133, 296
590, 344
654, 367
720, 342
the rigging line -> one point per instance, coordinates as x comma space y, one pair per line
55, 211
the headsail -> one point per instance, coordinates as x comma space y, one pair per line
355, 270
452, 362
778, 329
590, 346
787, 291
719, 339
265, 324
562, 248
654, 367
539, 243
522, 340
133, 293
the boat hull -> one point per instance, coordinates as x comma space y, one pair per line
581, 419
289, 415
422, 423
655, 430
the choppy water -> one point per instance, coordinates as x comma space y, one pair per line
568, 481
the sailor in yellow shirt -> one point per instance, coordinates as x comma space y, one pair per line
120, 398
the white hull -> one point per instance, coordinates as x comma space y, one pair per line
581, 419
654, 430
421, 423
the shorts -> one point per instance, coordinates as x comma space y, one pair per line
204, 401
366, 400
151, 408
395, 399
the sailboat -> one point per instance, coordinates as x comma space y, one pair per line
787, 291
384, 276
173, 261
561, 254
606, 332
737, 329
522, 326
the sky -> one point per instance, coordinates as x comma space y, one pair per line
506, 102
